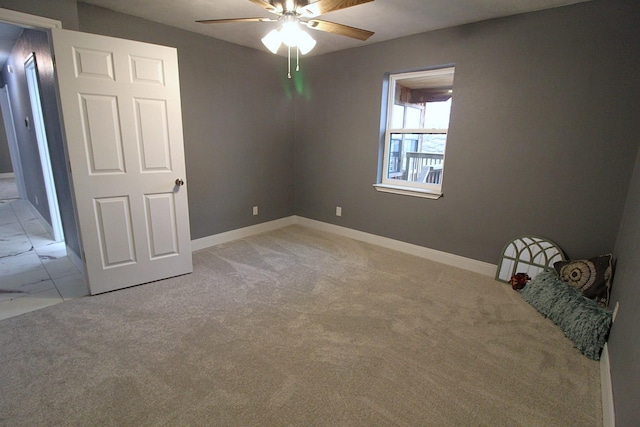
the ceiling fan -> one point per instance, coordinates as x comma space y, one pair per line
292, 14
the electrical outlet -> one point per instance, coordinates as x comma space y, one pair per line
338, 211
255, 210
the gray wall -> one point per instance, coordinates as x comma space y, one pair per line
624, 341
29, 42
5, 155
238, 127
21, 107
542, 139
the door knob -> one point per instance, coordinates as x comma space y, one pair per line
179, 182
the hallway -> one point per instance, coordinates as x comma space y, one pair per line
35, 272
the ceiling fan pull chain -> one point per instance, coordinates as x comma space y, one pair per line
297, 58
289, 62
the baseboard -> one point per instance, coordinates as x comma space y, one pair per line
240, 233
75, 259
408, 248
608, 411
7, 175
48, 228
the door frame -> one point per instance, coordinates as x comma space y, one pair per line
25, 20
31, 71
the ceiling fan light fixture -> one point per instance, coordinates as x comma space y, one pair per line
305, 42
272, 40
289, 6
289, 33
290, 12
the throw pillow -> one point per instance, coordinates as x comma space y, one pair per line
581, 319
591, 276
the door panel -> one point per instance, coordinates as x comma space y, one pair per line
101, 123
114, 231
147, 70
161, 222
153, 135
122, 119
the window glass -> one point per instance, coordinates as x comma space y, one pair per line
414, 117
419, 106
397, 117
437, 114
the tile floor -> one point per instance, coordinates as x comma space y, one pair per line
35, 272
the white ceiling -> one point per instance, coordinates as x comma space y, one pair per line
389, 19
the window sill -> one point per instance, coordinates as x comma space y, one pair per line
408, 191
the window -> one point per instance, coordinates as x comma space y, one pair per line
416, 126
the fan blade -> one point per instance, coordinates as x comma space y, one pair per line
226, 21
268, 6
343, 30
321, 7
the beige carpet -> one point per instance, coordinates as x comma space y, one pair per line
297, 328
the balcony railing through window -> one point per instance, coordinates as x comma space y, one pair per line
423, 167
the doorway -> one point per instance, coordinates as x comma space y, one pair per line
33, 187
119, 165
53, 270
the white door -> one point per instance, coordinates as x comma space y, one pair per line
122, 121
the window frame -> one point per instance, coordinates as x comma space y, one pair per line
402, 186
